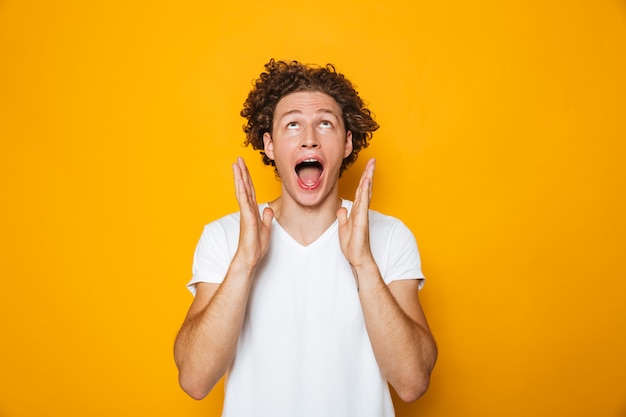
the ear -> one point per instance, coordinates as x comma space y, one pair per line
268, 145
348, 149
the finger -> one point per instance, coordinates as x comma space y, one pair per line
244, 170
359, 189
367, 186
369, 175
248, 181
363, 191
370, 168
238, 181
364, 197
242, 189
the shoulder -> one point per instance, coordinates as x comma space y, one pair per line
383, 225
383, 219
386, 225
379, 222
224, 225
228, 222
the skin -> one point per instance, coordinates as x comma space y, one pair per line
306, 125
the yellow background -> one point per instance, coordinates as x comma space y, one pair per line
502, 147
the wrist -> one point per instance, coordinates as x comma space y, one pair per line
366, 273
241, 267
364, 264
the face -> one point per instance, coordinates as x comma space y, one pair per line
308, 144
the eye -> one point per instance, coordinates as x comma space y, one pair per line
325, 124
292, 125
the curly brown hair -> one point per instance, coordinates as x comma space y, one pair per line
282, 78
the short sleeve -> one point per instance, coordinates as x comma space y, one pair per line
405, 257
395, 250
214, 251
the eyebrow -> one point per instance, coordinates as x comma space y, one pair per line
318, 111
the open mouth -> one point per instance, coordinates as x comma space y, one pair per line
309, 172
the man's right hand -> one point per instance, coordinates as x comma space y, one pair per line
254, 232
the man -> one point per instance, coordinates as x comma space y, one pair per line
308, 302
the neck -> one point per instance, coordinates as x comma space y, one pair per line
305, 223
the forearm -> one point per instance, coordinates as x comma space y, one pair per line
403, 345
206, 343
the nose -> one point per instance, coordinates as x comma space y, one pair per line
309, 139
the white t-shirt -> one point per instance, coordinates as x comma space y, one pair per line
303, 349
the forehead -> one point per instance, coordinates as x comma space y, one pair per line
307, 102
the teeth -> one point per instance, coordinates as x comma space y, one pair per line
310, 160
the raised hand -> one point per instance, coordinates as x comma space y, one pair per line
254, 232
354, 229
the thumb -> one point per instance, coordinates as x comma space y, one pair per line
342, 216
268, 215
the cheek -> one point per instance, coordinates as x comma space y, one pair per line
280, 154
